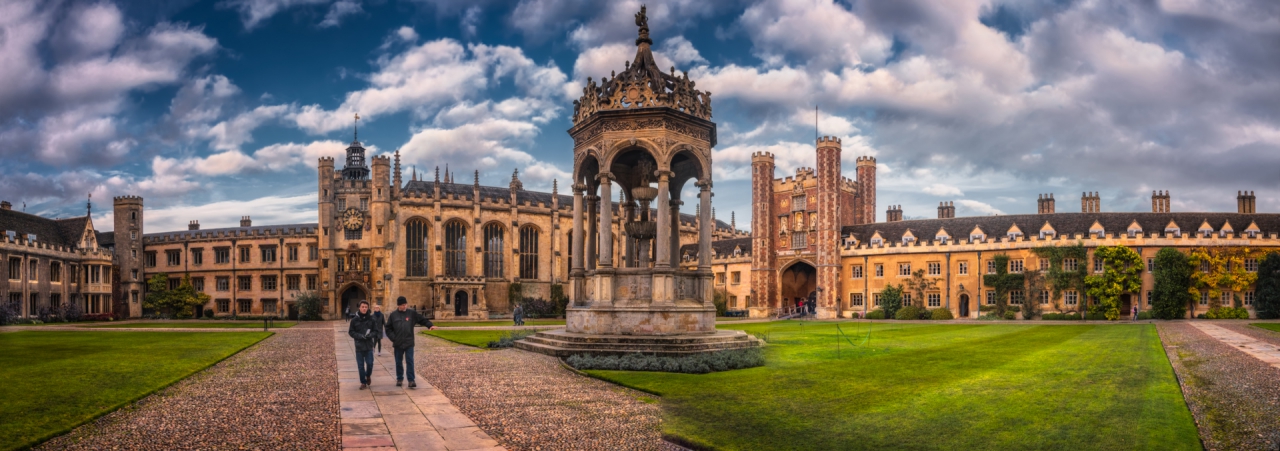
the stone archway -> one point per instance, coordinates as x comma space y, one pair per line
799, 280
460, 303
351, 298
964, 306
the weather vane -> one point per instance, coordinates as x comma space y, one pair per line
357, 127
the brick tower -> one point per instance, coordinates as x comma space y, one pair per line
866, 190
128, 232
764, 261
828, 227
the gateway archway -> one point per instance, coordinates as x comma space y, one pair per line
351, 298
798, 282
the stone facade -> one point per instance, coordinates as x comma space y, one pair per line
50, 263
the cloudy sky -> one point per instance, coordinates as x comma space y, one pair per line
217, 109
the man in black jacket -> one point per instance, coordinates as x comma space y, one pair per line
364, 331
400, 331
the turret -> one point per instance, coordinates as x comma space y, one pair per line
828, 226
128, 250
764, 286
866, 168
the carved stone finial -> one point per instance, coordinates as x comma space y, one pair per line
437, 175
477, 178
515, 181
642, 21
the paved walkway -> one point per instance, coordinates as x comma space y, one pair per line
386, 417
1266, 352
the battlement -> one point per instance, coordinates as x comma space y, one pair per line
326, 161
761, 157
826, 141
866, 161
128, 200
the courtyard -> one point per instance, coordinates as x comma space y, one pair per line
826, 385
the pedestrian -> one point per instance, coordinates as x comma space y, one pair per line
1135, 313
400, 331
381, 322
346, 313
518, 315
363, 332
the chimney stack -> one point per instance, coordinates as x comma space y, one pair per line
193, 225
1045, 204
245, 222
945, 210
5, 205
1159, 201
1246, 202
1090, 202
894, 214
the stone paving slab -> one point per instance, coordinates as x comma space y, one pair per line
386, 417
1266, 352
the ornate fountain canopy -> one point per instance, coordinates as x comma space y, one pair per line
643, 85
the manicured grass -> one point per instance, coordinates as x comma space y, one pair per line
55, 381
1274, 327
527, 322
477, 338
194, 325
924, 386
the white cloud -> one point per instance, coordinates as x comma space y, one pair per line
681, 52
820, 32
407, 34
338, 10
254, 12
89, 30
939, 189
978, 208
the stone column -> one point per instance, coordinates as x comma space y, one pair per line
675, 231
606, 221
704, 221
664, 221
591, 239
578, 250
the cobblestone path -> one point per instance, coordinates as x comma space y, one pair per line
528, 401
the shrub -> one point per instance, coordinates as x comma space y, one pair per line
309, 306
559, 299
538, 308
1010, 314
940, 314
875, 314
910, 312
71, 312
1145, 314
853, 315
695, 363
1201, 316
891, 300
208, 313
989, 317
986, 308
97, 317
1061, 316
8, 314
1172, 282
508, 339
1096, 316
1227, 313
721, 300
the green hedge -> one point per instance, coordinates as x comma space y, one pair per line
911, 312
1061, 316
940, 314
1227, 313
875, 314
695, 363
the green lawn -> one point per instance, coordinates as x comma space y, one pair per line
55, 381
194, 325
527, 322
923, 386
1275, 327
477, 338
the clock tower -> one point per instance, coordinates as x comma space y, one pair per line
356, 233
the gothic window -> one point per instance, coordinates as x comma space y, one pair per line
493, 241
455, 249
416, 241
528, 252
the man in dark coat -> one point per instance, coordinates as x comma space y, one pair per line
380, 322
518, 315
400, 331
363, 331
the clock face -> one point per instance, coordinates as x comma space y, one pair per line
352, 219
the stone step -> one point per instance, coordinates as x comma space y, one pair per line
560, 344
625, 348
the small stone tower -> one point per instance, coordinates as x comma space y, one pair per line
866, 190
828, 227
894, 214
1246, 202
1159, 201
128, 250
1090, 202
946, 210
764, 258
327, 195
1045, 204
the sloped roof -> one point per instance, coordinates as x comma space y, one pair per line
1065, 223
62, 232
721, 247
253, 230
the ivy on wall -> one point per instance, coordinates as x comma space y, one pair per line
1057, 278
1220, 269
1003, 282
1122, 273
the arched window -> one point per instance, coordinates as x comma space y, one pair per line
493, 250
528, 252
415, 233
455, 249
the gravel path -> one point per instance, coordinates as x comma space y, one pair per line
281, 393
527, 401
1234, 397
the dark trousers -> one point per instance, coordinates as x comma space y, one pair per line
364, 363
404, 358
379, 341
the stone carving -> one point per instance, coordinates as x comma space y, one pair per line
643, 85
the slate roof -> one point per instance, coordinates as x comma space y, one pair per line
252, 230
464, 191
106, 239
62, 232
721, 247
1063, 224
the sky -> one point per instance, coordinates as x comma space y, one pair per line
218, 109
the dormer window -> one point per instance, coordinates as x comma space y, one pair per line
977, 237
942, 239
1176, 232
907, 239
1133, 233
1047, 234
1253, 234
876, 241
31, 237
1099, 234
1206, 233
1014, 235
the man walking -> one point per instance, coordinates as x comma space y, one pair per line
380, 323
518, 315
363, 332
400, 331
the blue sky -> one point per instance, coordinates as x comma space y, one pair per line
214, 110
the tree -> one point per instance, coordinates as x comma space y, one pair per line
1172, 292
309, 306
1121, 273
919, 285
1266, 302
180, 302
1003, 282
891, 300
